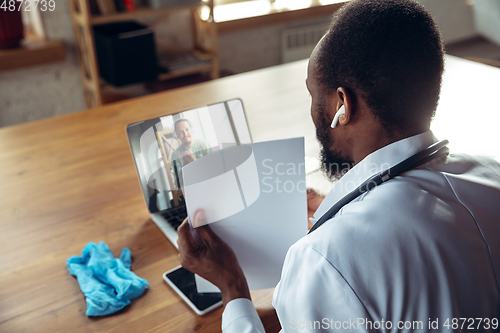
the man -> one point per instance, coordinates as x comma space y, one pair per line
190, 149
416, 253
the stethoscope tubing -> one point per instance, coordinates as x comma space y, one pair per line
433, 151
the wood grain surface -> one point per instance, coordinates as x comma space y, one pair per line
69, 180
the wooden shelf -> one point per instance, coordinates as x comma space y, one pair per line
33, 51
138, 13
204, 36
202, 68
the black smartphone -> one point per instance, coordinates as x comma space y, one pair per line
182, 282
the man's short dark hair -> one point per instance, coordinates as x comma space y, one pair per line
181, 120
390, 53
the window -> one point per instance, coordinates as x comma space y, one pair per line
226, 10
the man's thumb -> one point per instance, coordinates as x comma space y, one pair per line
200, 218
203, 229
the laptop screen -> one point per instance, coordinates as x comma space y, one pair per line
162, 146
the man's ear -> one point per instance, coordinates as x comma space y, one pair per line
344, 98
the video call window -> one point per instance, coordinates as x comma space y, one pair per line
162, 146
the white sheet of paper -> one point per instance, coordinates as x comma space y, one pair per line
274, 213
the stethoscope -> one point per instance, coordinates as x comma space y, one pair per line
433, 151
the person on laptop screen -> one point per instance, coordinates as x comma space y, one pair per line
190, 149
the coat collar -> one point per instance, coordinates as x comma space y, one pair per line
376, 162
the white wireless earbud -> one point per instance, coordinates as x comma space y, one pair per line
337, 115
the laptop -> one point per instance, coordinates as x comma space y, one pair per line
162, 146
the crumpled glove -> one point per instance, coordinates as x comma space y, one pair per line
107, 282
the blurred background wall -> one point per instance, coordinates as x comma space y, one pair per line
50, 90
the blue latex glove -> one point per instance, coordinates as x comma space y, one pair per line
107, 282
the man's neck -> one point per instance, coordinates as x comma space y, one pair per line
372, 142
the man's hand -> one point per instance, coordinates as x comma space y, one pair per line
313, 201
188, 157
212, 259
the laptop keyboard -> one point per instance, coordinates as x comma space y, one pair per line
175, 215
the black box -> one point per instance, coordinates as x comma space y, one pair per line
126, 53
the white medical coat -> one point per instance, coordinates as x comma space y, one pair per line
410, 255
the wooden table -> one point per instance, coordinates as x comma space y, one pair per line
69, 180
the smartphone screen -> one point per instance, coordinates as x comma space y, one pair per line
184, 280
